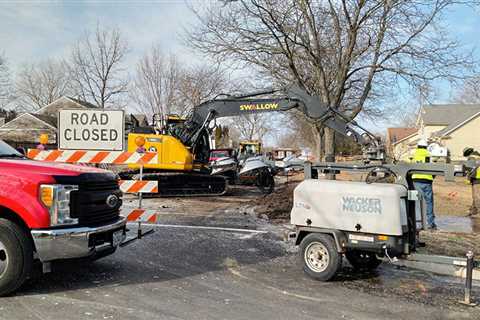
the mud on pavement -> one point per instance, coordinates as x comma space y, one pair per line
188, 273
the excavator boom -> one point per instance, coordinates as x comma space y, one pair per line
291, 98
184, 149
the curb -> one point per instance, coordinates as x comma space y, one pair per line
443, 269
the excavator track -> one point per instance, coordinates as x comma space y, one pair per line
172, 184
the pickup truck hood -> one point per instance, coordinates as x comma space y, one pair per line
45, 168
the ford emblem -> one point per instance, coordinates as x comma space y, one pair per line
112, 201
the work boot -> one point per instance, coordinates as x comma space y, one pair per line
432, 227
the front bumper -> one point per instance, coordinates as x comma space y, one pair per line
79, 242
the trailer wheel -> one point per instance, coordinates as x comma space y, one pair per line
16, 256
363, 260
321, 260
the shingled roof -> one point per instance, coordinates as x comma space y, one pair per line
48, 119
450, 115
447, 114
397, 134
84, 103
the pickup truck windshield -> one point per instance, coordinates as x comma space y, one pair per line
7, 151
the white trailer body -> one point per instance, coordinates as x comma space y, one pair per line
376, 208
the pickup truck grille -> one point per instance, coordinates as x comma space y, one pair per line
89, 203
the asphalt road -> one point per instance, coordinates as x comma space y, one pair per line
210, 274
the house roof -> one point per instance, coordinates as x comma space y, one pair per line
455, 125
43, 121
84, 103
397, 134
447, 114
54, 105
48, 119
18, 131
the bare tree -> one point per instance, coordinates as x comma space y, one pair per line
155, 87
470, 91
162, 86
253, 126
42, 83
6, 86
201, 83
96, 67
299, 134
351, 53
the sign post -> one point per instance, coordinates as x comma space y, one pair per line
82, 129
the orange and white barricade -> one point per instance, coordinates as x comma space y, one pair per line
136, 215
140, 215
93, 157
138, 186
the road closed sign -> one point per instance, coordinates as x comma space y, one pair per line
91, 130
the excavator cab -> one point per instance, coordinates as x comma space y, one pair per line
250, 148
174, 121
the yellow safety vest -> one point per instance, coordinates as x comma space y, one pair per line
477, 175
421, 156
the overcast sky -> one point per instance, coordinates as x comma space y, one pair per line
36, 30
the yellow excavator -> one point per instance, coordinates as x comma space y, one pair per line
183, 144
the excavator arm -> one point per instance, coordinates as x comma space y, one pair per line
279, 100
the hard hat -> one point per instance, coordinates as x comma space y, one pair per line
422, 143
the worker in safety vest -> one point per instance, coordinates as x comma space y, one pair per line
423, 182
475, 181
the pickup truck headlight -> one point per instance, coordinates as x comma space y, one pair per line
56, 197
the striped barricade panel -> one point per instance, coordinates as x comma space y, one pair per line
138, 186
140, 215
93, 157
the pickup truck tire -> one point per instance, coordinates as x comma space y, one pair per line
321, 261
16, 256
363, 260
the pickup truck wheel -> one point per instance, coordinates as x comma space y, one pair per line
363, 260
16, 256
321, 260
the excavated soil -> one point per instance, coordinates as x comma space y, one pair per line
277, 205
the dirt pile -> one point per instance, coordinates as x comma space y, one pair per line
277, 205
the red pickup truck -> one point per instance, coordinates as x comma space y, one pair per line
51, 212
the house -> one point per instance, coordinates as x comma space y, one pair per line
453, 126
395, 135
25, 130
